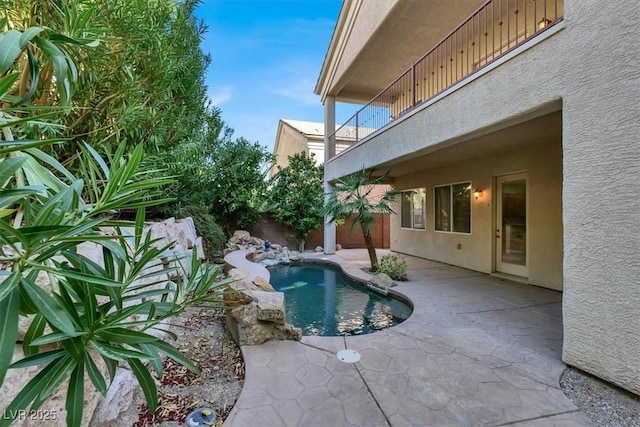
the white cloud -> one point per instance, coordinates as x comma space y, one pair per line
220, 95
300, 90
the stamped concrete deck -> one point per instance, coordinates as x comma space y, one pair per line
477, 351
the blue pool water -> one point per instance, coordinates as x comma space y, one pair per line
322, 300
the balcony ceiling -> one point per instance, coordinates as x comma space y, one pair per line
492, 141
412, 28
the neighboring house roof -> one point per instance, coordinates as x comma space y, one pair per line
310, 129
295, 136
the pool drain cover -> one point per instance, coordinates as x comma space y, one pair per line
348, 356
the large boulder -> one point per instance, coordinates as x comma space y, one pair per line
118, 401
237, 294
240, 237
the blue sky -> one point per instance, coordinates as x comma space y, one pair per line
266, 57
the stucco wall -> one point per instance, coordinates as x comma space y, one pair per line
543, 162
601, 208
290, 142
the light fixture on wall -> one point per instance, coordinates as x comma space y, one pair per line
543, 23
477, 193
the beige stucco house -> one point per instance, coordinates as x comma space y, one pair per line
513, 130
297, 136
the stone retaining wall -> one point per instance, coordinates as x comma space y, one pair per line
258, 313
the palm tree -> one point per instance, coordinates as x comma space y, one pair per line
354, 194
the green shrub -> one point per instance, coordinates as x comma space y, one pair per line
393, 266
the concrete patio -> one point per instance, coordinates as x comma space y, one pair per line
477, 351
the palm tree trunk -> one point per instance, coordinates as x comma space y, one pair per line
368, 241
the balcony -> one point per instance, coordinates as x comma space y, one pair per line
491, 32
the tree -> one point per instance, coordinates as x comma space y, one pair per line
90, 313
142, 80
296, 195
353, 194
137, 74
232, 181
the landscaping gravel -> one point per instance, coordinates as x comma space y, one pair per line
605, 404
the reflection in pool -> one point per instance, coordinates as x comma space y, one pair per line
322, 300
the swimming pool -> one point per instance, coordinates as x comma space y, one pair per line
322, 300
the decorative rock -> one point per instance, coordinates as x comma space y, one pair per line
263, 284
380, 282
261, 256
259, 333
319, 249
295, 256
235, 295
270, 262
270, 307
238, 273
185, 232
241, 236
199, 247
288, 332
245, 315
338, 247
276, 247
259, 319
256, 242
254, 335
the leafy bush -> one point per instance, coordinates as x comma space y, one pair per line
393, 266
90, 311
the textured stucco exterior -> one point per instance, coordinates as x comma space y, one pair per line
543, 163
601, 207
289, 141
589, 70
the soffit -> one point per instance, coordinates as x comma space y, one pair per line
511, 138
411, 30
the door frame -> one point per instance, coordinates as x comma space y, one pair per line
498, 266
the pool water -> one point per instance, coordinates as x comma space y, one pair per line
322, 300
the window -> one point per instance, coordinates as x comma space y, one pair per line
453, 207
412, 209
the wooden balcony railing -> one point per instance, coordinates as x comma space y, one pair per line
493, 30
